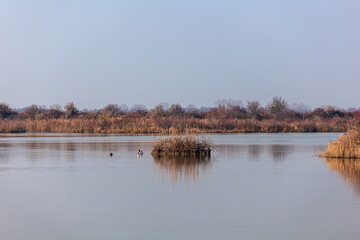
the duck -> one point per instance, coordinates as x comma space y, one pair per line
111, 154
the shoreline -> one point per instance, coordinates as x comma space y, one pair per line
54, 135
151, 126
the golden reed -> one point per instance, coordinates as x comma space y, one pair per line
346, 146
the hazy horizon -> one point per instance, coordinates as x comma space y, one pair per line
146, 52
301, 107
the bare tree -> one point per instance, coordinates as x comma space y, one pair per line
32, 112
55, 111
112, 109
253, 108
158, 110
71, 110
176, 109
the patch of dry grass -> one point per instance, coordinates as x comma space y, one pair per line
346, 146
186, 145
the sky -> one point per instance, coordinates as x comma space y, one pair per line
190, 52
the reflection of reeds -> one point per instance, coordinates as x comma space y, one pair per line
346, 146
349, 169
187, 145
176, 168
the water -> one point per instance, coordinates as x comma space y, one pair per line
255, 186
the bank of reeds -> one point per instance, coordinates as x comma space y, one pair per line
346, 146
182, 145
167, 125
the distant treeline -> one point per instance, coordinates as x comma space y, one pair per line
229, 116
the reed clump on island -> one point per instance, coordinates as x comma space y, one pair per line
346, 146
182, 145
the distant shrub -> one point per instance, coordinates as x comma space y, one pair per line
34, 112
55, 111
253, 108
113, 109
71, 110
6, 111
176, 109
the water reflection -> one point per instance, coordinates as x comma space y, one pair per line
348, 169
280, 152
70, 150
254, 152
177, 168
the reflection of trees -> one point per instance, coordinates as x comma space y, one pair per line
254, 152
348, 169
70, 150
176, 168
280, 152
231, 151
4, 156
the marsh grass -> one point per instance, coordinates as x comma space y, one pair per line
128, 124
182, 145
346, 146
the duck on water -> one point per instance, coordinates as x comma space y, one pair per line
139, 153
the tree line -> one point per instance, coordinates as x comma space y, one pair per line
228, 116
278, 109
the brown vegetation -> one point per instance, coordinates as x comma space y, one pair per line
346, 146
228, 117
187, 145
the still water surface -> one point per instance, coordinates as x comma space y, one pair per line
255, 186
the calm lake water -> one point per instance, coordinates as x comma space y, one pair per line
255, 186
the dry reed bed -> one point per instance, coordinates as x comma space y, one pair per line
187, 145
166, 125
346, 146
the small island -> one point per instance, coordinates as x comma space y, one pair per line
182, 145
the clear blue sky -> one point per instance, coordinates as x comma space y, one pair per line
129, 52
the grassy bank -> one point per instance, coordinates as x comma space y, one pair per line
187, 145
346, 146
167, 125
226, 117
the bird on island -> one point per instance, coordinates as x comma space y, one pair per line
111, 154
